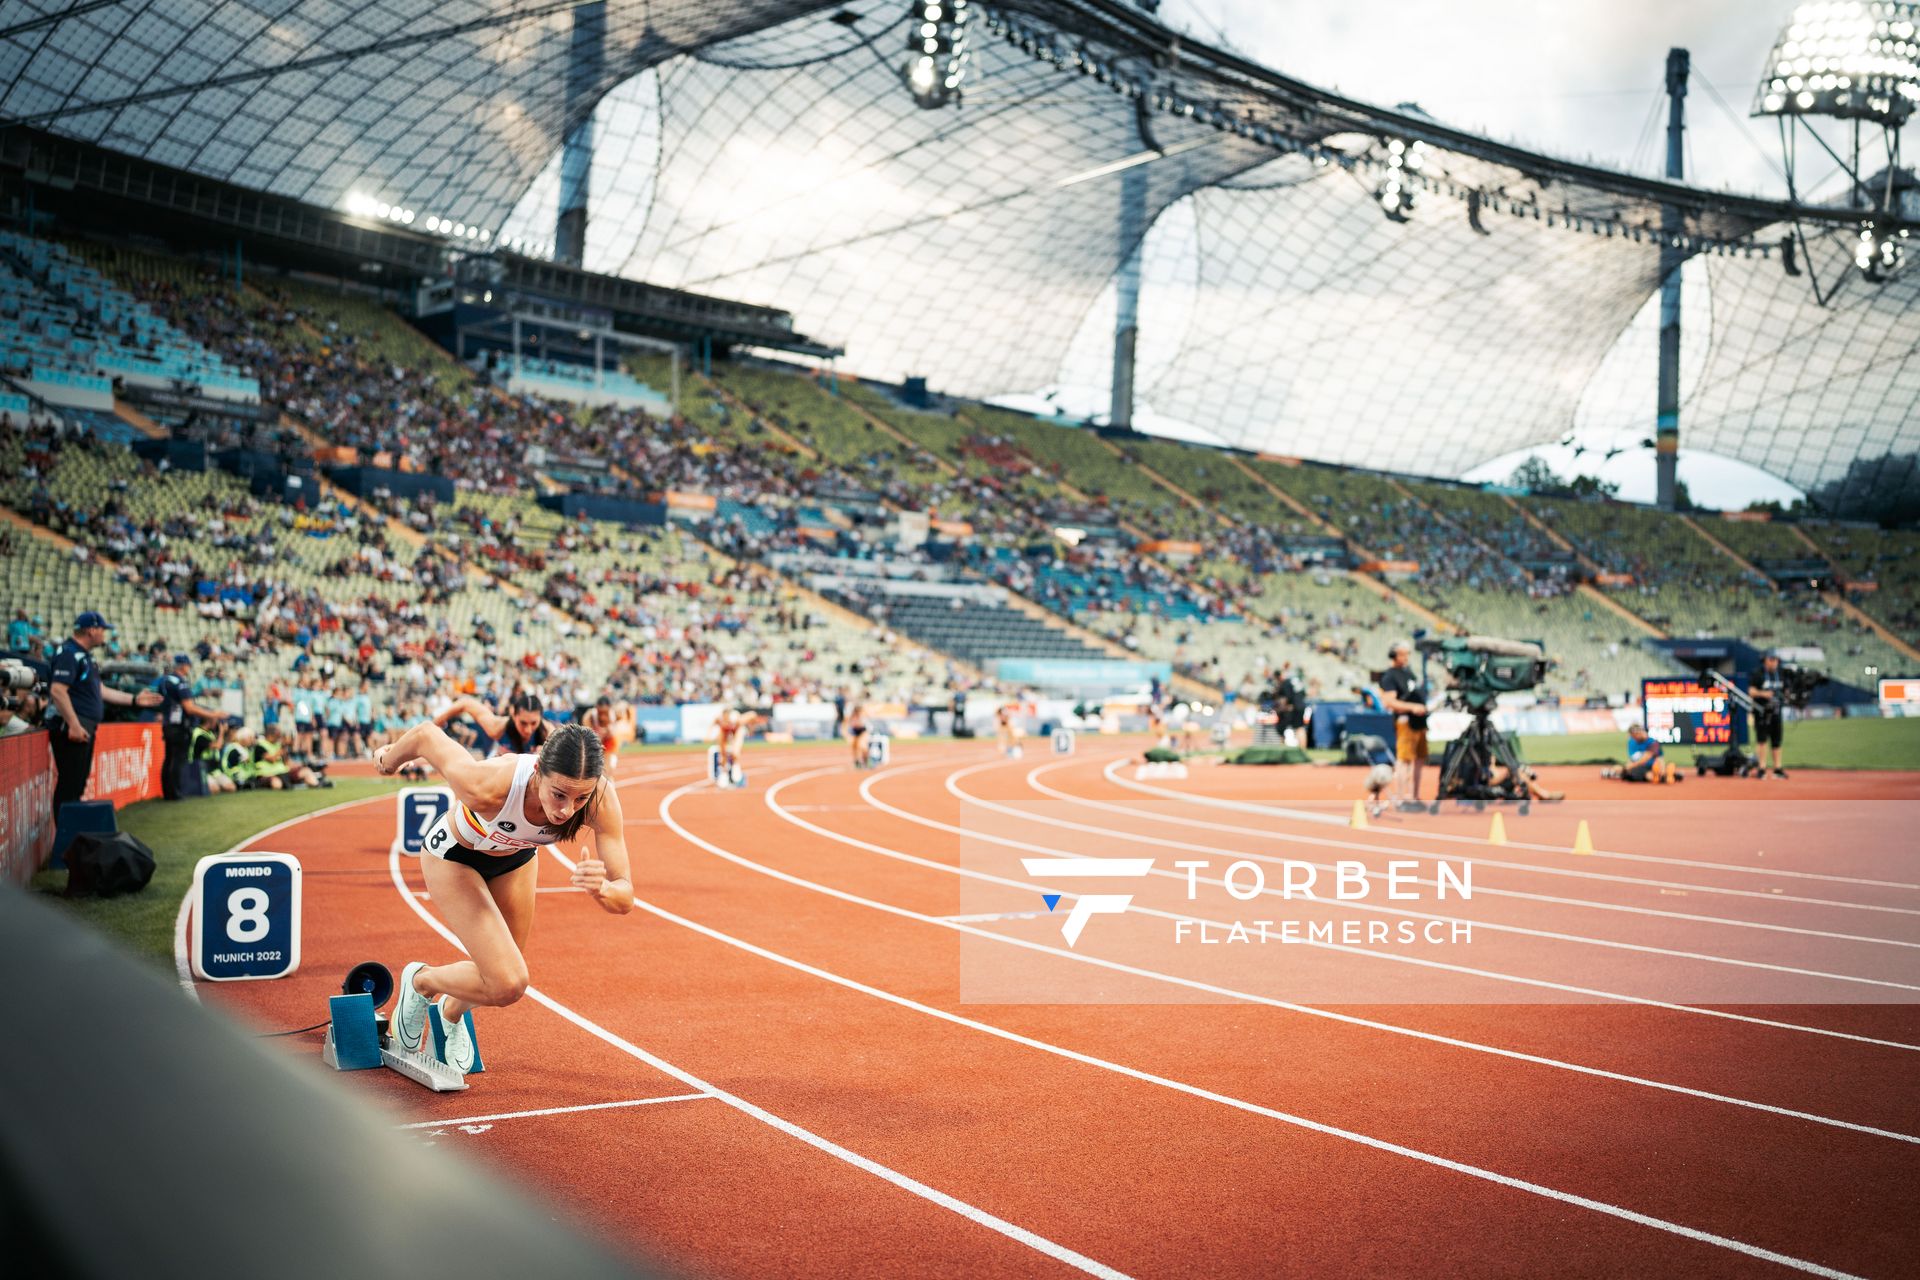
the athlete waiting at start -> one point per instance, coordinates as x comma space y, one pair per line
481, 873
522, 729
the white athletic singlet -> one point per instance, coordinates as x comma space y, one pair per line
508, 831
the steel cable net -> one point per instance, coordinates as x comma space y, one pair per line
1823, 395
780, 159
962, 245
1325, 330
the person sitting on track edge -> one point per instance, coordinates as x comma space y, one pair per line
481, 872
1644, 762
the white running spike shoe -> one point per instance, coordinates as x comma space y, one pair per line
410, 1014
459, 1043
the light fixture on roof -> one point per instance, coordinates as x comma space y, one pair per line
1856, 62
1404, 162
1845, 59
937, 53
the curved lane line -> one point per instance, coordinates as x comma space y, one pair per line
963, 925
1325, 819
1314, 1126
1535, 868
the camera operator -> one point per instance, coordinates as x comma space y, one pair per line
176, 734
1402, 693
79, 702
1769, 694
19, 713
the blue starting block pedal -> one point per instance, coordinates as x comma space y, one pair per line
879, 750
730, 778
356, 1042
1063, 742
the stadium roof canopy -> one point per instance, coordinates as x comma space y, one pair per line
769, 150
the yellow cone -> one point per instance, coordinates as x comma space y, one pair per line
1583, 839
1359, 819
1498, 835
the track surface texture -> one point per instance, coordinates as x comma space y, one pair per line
1694, 1051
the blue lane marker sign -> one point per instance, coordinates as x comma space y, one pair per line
420, 808
1051, 899
245, 917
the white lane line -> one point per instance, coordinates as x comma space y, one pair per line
1335, 820
1238, 1104
972, 1213
556, 1111
1079, 957
991, 917
1527, 867
1371, 874
1369, 908
1394, 957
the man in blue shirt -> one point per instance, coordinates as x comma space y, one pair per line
19, 631
79, 703
176, 733
1644, 763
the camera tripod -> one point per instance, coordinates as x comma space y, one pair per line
1466, 772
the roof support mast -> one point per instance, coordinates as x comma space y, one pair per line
1666, 438
586, 63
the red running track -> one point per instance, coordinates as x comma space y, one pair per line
799, 1087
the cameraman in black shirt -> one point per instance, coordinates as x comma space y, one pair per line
1769, 694
1404, 695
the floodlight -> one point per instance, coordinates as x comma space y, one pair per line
936, 51
1845, 59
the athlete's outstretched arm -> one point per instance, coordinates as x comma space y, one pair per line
429, 742
607, 875
491, 722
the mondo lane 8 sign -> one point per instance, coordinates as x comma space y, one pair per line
246, 916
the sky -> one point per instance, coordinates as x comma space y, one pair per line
1583, 81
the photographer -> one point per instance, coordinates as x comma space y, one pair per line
176, 734
1402, 693
1769, 694
79, 702
19, 713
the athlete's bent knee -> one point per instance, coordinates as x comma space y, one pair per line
506, 986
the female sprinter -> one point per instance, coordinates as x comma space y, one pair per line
481, 872
857, 733
521, 730
599, 718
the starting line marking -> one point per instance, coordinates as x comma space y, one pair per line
553, 1111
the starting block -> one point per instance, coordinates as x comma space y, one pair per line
879, 749
1063, 742
733, 777
357, 1040
1161, 769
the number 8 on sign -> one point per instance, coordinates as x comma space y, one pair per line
244, 917
247, 915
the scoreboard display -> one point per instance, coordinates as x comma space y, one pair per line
1684, 712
